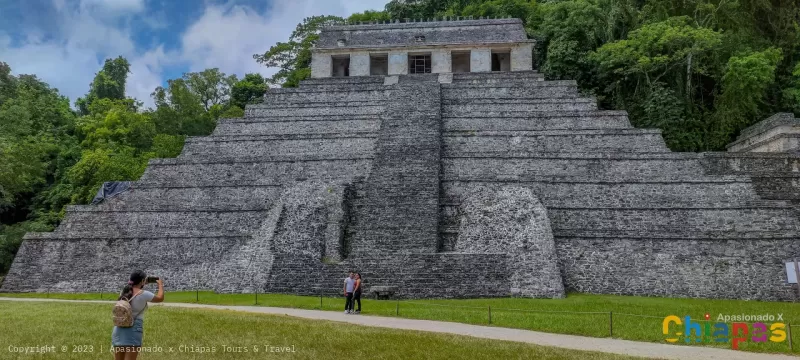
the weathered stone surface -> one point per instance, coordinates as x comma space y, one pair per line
494, 184
779, 133
436, 32
512, 221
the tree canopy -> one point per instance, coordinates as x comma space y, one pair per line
52, 156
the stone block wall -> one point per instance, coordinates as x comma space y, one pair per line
491, 185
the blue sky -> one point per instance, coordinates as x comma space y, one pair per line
65, 42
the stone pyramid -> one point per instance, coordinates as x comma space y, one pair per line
463, 185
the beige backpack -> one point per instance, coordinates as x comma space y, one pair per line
123, 312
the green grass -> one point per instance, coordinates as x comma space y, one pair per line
71, 325
531, 314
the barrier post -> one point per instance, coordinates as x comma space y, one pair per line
256, 296
397, 308
789, 335
197, 295
797, 275
320, 302
610, 324
490, 314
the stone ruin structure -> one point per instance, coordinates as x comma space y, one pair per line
446, 177
778, 133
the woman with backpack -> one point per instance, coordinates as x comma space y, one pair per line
129, 315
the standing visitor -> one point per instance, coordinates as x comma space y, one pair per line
349, 286
357, 293
126, 338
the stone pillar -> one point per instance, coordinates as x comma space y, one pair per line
321, 65
359, 64
522, 57
398, 63
442, 62
481, 60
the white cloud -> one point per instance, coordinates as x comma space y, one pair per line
224, 36
114, 6
227, 36
69, 57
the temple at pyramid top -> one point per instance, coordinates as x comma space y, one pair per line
400, 48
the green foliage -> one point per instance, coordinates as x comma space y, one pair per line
97, 166
249, 90
11, 239
791, 95
113, 123
50, 158
744, 85
293, 58
369, 15
501, 8
210, 86
108, 83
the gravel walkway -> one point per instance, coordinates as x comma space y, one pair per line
616, 346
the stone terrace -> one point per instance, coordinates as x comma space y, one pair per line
494, 184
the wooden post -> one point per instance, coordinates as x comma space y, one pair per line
197, 295
610, 324
490, 314
320, 302
397, 308
256, 296
789, 335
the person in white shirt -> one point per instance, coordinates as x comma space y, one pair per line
349, 287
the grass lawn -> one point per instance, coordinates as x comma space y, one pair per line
71, 325
532, 314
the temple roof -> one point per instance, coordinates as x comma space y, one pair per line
404, 34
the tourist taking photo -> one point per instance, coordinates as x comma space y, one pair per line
128, 312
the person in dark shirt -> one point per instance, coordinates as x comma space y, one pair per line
357, 293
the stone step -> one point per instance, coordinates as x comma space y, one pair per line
520, 92
298, 127
494, 75
494, 107
320, 109
703, 222
330, 86
322, 103
230, 146
85, 222
602, 119
95, 264
355, 80
621, 166
582, 141
341, 96
751, 163
212, 198
507, 82
623, 195
265, 171
773, 186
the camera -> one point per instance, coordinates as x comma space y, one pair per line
152, 279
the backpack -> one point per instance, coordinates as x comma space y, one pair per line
123, 312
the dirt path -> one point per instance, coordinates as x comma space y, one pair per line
616, 346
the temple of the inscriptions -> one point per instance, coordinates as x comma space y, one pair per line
433, 158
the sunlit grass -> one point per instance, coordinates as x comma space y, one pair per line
87, 327
578, 314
